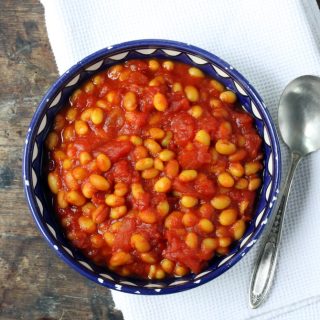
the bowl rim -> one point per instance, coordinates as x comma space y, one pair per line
78, 68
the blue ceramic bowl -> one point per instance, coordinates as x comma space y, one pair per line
56, 97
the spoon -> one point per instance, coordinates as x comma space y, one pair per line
299, 123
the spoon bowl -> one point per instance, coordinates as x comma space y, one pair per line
299, 115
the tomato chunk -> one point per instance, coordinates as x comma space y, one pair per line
194, 157
116, 149
183, 128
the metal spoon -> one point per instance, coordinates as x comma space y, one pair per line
299, 123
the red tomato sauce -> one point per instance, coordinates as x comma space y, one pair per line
154, 169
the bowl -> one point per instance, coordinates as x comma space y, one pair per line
35, 183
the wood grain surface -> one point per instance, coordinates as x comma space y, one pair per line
34, 282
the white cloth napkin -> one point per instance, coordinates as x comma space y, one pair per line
271, 43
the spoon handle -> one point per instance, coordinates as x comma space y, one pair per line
266, 263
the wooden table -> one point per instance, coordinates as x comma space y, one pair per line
34, 282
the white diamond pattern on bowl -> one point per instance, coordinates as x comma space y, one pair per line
178, 282
68, 250
225, 260
220, 72
95, 66
35, 152
53, 232
73, 81
128, 283
201, 274
146, 51
266, 136
39, 205
255, 110
42, 124
270, 164
85, 264
119, 56
239, 88
154, 285
196, 59
55, 100
268, 191
106, 276
171, 53
245, 240
259, 217
34, 178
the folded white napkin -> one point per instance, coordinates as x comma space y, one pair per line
271, 43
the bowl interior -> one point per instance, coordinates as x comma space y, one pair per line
35, 181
